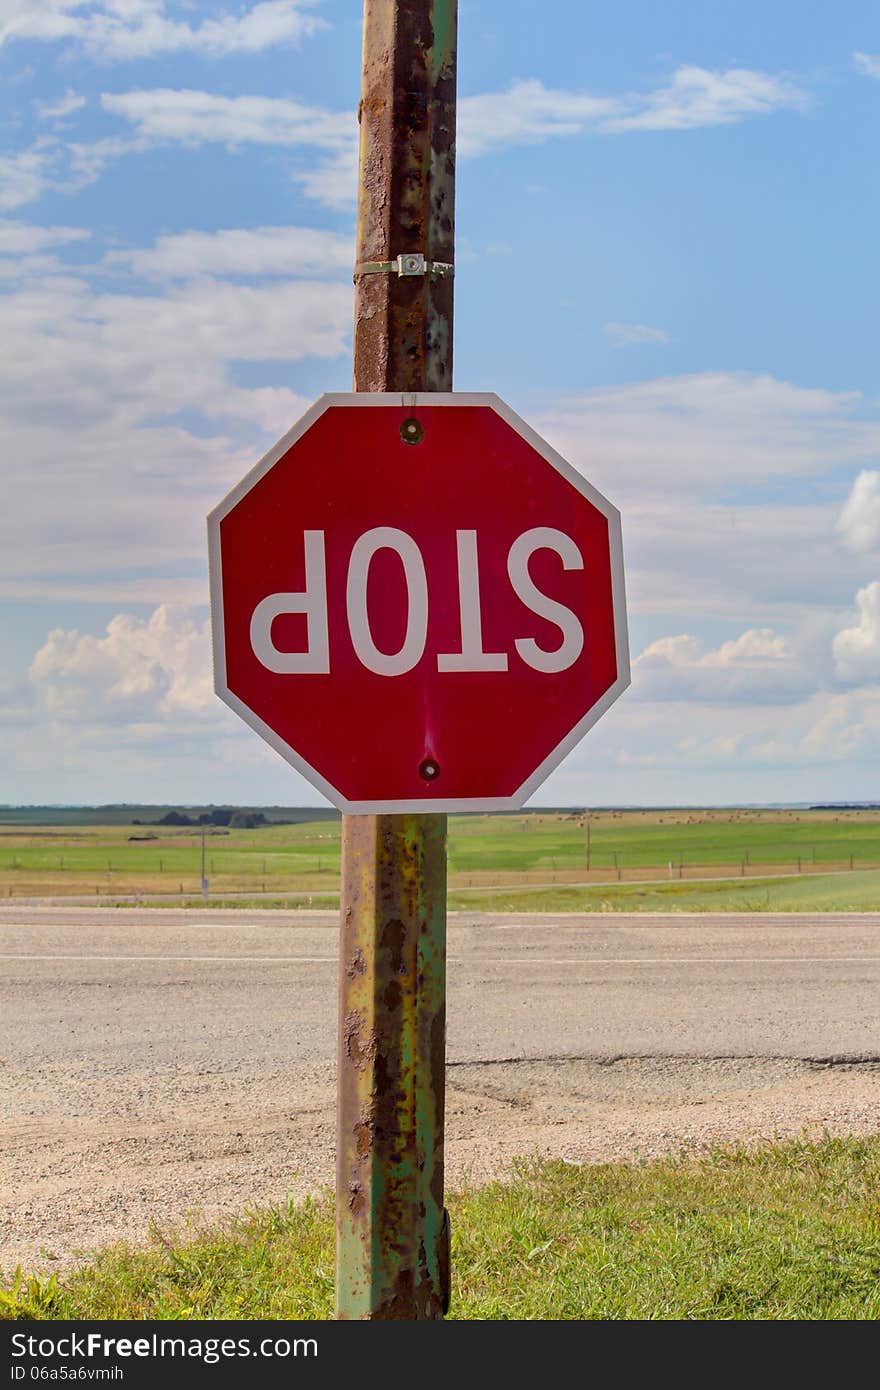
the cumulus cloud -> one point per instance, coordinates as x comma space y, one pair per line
140, 672
111, 31
23, 247
128, 409
24, 176
23, 238
120, 702
196, 118
52, 165
810, 738
627, 334
857, 648
526, 113
867, 63
691, 461
759, 666
859, 521
333, 181
59, 110
131, 709
699, 97
252, 251
140, 357
709, 430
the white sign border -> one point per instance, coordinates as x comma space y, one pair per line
413, 401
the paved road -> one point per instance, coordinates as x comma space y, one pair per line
156, 1059
111, 985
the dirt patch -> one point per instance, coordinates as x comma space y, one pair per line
84, 1165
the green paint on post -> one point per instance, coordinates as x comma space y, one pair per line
392, 1233
391, 1259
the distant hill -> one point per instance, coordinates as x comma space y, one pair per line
138, 814
194, 814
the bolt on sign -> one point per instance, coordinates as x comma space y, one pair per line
417, 602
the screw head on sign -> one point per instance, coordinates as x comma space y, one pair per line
429, 770
411, 432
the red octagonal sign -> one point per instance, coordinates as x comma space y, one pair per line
417, 602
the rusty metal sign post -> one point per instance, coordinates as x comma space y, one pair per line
392, 1247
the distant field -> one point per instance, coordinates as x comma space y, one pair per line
525, 859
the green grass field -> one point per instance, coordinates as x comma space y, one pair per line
788, 1231
503, 852
838, 892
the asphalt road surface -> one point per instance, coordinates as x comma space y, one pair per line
159, 1065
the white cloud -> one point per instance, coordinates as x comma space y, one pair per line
23, 238
141, 743
756, 750
86, 161
145, 355
867, 63
333, 181
146, 683
526, 113
59, 110
47, 20
746, 563
709, 431
758, 667
859, 521
529, 113
140, 673
699, 97
193, 118
626, 334
24, 176
113, 30
127, 409
53, 166
22, 245
133, 707
196, 118
249, 251
694, 463
857, 649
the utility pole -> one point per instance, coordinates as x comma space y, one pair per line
392, 1242
587, 820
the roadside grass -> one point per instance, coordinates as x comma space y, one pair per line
782, 1231
840, 892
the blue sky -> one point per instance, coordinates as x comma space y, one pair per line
666, 261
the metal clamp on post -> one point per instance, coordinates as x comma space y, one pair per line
410, 263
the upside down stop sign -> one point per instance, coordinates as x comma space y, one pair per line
417, 602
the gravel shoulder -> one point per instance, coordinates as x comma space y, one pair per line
201, 1147
159, 1068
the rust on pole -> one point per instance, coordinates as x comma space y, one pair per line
406, 198
392, 1245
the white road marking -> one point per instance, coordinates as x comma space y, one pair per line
294, 960
535, 959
